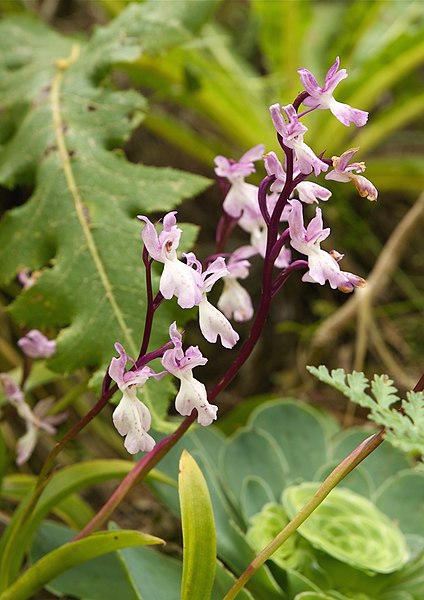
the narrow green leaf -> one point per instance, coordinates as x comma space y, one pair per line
72, 510
72, 554
199, 539
130, 574
69, 480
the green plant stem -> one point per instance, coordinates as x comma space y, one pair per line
339, 473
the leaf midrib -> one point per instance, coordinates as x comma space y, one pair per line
58, 126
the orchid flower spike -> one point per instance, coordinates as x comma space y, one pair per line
322, 98
241, 201
323, 266
235, 301
131, 417
292, 133
177, 278
35, 345
343, 171
192, 393
211, 320
36, 419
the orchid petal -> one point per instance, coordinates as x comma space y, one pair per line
213, 324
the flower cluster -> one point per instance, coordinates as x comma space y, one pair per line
272, 216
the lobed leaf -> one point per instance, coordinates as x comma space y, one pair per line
403, 429
66, 125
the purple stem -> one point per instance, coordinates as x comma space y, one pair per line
276, 249
300, 98
262, 198
144, 360
150, 311
282, 277
269, 289
141, 468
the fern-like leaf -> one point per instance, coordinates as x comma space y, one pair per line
403, 423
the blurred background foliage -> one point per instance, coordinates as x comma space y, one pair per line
211, 96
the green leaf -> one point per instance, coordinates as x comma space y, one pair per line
401, 498
370, 541
3, 458
151, 27
253, 452
358, 480
255, 493
79, 227
129, 574
71, 479
73, 510
265, 526
205, 446
72, 554
397, 172
314, 596
299, 431
402, 429
199, 539
385, 462
102, 578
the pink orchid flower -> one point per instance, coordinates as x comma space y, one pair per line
131, 417
192, 393
322, 97
344, 172
292, 133
323, 266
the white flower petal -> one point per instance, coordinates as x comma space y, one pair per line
180, 280
132, 419
235, 301
192, 395
213, 324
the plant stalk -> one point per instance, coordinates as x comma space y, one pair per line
337, 475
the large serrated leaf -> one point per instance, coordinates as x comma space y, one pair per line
78, 226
